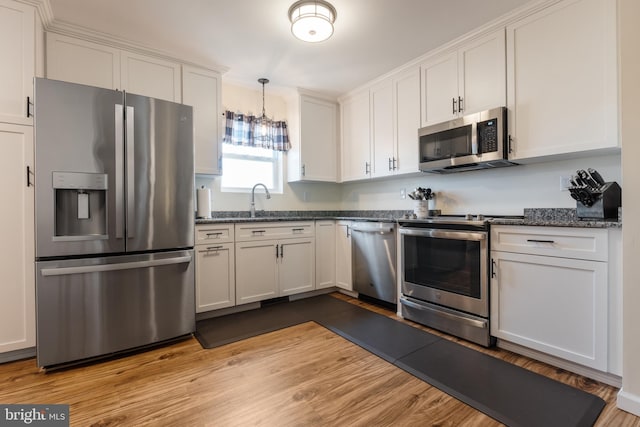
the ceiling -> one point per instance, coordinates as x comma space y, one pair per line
252, 38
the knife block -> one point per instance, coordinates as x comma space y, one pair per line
609, 199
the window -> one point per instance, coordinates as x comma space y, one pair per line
243, 167
247, 159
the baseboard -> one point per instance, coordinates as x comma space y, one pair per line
629, 402
12, 356
603, 377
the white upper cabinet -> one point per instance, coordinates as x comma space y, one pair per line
406, 120
562, 80
202, 89
380, 128
395, 119
356, 155
94, 64
314, 152
439, 89
78, 61
465, 81
149, 76
381, 115
17, 50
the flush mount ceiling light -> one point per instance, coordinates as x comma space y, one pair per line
312, 20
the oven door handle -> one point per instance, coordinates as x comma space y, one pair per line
444, 234
443, 312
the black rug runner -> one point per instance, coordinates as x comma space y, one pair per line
510, 394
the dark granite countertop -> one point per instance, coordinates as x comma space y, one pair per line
222, 217
548, 217
556, 217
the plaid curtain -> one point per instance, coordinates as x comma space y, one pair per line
240, 129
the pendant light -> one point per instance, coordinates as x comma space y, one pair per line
312, 20
264, 126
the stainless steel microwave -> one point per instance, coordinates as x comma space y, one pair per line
475, 141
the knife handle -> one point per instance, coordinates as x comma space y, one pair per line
596, 176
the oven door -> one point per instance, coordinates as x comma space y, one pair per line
446, 267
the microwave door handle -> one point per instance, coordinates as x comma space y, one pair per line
474, 138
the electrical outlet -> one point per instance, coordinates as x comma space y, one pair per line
403, 194
564, 182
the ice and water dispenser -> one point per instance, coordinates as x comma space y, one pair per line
80, 205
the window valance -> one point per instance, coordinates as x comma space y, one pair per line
244, 129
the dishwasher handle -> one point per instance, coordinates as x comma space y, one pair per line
374, 227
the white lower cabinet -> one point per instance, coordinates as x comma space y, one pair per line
344, 278
325, 254
257, 271
296, 266
268, 268
215, 267
17, 291
546, 298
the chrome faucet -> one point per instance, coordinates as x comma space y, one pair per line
252, 209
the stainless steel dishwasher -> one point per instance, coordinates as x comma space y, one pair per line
374, 260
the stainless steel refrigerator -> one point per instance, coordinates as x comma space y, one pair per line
114, 221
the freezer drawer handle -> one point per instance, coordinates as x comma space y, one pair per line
114, 267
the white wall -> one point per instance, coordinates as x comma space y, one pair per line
504, 191
629, 34
295, 196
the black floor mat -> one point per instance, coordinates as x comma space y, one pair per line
508, 393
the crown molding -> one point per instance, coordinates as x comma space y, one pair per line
500, 22
52, 25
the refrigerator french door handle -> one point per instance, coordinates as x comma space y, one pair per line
119, 148
63, 271
131, 173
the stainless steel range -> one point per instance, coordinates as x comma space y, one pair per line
445, 275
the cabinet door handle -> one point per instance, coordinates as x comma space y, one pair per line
29, 173
453, 105
254, 232
29, 104
214, 234
281, 251
348, 231
540, 241
214, 248
390, 164
510, 143
460, 105
493, 268
276, 251
394, 163
304, 170
295, 230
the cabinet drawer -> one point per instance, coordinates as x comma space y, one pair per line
214, 233
273, 230
565, 242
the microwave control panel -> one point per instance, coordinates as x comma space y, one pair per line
488, 136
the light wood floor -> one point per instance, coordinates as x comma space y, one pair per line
300, 376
